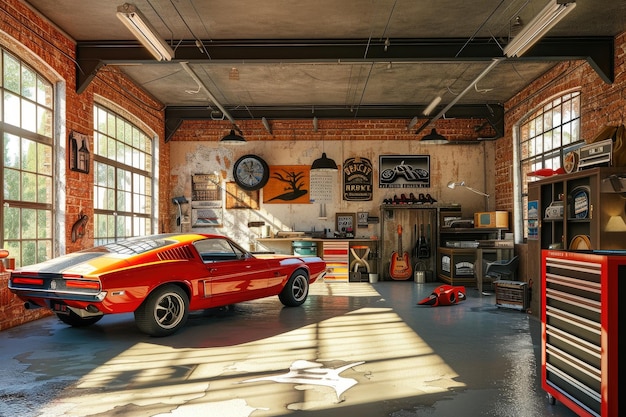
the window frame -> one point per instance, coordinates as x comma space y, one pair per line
36, 117
550, 157
122, 218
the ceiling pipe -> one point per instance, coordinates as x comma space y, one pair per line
470, 87
197, 79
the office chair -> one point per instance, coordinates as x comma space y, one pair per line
502, 269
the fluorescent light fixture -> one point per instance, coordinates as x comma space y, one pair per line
429, 109
266, 124
552, 14
145, 33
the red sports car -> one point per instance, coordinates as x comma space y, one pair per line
161, 278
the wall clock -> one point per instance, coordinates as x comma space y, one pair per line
251, 172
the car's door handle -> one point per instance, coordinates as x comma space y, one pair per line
211, 270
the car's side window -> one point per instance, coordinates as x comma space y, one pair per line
215, 249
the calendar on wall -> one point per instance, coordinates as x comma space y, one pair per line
322, 186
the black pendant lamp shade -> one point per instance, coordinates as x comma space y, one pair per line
233, 138
324, 163
434, 137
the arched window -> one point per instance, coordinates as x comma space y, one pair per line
123, 178
26, 161
542, 136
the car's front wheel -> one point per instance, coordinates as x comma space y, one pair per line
164, 311
296, 290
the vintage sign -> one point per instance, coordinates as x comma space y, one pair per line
288, 184
404, 171
357, 179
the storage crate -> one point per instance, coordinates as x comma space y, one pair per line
512, 294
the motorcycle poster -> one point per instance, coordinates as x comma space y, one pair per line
404, 171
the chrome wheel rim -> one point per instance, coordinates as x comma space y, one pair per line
169, 310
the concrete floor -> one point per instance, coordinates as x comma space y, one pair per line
353, 349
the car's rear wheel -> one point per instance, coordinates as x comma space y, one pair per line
296, 290
164, 312
75, 320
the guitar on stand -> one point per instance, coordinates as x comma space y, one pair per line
400, 266
424, 246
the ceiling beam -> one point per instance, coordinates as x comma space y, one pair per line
175, 115
598, 51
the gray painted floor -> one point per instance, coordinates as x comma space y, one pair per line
354, 349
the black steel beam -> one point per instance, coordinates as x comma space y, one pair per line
174, 116
91, 56
598, 50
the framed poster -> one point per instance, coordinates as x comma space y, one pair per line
288, 184
404, 171
345, 221
357, 179
237, 198
207, 217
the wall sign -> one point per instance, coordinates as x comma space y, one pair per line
357, 179
79, 152
288, 184
404, 171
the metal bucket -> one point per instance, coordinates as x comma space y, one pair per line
420, 277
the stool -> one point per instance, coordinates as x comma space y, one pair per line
360, 260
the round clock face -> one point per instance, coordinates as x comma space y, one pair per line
251, 172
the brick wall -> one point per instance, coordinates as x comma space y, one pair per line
328, 129
32, 38
601, 104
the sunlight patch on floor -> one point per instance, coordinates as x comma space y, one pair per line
387, 360
343, 289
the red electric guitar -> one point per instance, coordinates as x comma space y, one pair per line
400, 267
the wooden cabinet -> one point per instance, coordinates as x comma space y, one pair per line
573, 211
581, 320
465, 249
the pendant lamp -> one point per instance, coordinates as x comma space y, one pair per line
434, 138
233, 138
324, 164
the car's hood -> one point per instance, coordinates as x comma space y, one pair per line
80, 263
